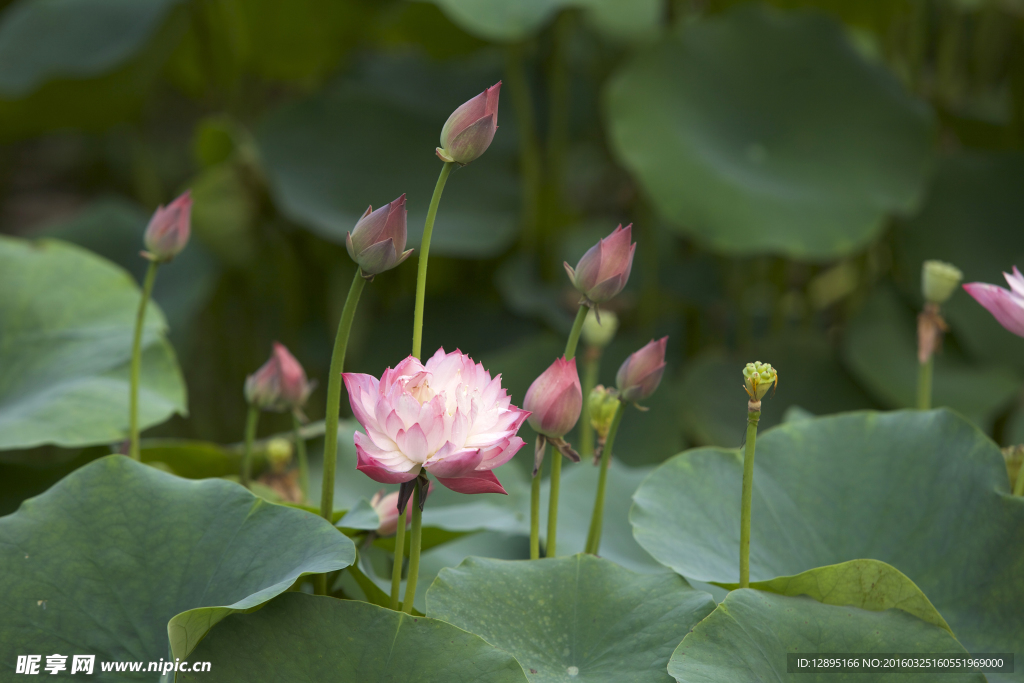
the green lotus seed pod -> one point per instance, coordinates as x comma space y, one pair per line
758, 378
939, 280
279, 454
601, 333
602, 404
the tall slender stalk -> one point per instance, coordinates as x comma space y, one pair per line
251, 421
333, 409
924, 384
535, 517
421, 273
591, 368
597, 517
414, 550
1018, 487
529, 147
550, 541
136, 362
753, 416
556, 458
300, 450
396, 570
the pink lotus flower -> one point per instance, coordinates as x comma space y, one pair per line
280, 384
640, 374
469, 130
386, 508
555, 400
169, 229
604, 269
1007, 305
378, 240
447, 417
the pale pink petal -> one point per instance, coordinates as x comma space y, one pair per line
1007, 308
1016, 281
413, 443
373, 470
453, 462
499, 456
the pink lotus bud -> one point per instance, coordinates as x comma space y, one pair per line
640, 374
280, 384
1007, 305
604, 269
387, 509
555, 399
469, 130
378, 240
169, 229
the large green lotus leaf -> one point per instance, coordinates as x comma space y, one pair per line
972, 218
500, 21
66, 320
766, 132
102, 561
880, 348
81, 64
299, 638
330, 156
747, 637
714, 406
43, 40
576, 618
925, 492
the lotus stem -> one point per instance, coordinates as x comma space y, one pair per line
753, 416
136, 362
414, 550
421, 274
251, 422
597, 517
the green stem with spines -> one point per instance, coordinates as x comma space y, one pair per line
535, 516
421, 273
574, 334
300, 452
753, 416
396, 570
333, 408
414, 551
924, 384
251, 422
1018, 487
591, 369
136, 362
597, 517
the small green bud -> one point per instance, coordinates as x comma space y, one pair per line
279, 454
939, 280
758, 378
599, 332
602, 404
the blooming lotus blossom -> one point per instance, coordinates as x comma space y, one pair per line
280, 384
604, 269
640, 374
169, 229
469, 130
377, 241
1007, 305
447, 417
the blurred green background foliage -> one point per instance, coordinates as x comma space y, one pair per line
787, 168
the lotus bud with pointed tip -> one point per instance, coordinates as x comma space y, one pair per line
469, 130
555, 399
604, 269
939, 280
602, 404
1007, 305
169, 229
599, 332
280, 384
386, 507
640, 374
377, 243
758, 378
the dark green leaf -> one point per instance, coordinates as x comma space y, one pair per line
759, 131
576, 618
102, 561
309, 638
